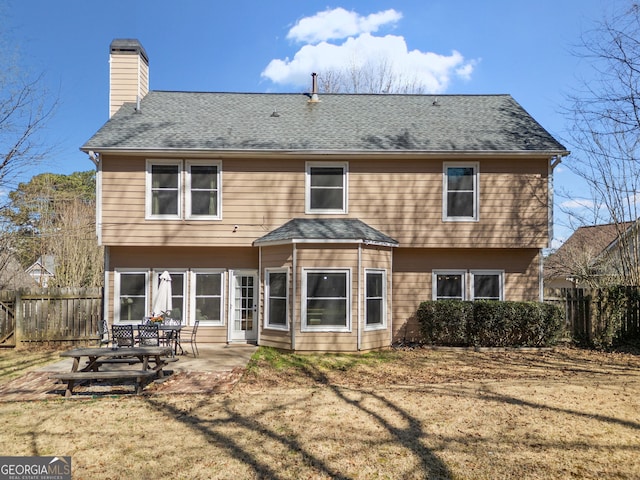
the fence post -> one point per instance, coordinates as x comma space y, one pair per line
19, 318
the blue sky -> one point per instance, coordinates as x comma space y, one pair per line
522, 48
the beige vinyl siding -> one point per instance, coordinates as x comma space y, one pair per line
280, 256
156, 258
412, 278
129, 80
400, 197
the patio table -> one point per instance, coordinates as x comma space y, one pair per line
98, 357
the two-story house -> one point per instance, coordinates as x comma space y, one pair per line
315, 222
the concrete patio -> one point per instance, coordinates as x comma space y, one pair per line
215, 370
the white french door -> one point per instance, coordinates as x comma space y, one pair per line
243, 308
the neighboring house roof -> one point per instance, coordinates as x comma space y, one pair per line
321, 230
195, 121
582, 248
44, 265
12, 276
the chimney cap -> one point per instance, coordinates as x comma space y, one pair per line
128, 46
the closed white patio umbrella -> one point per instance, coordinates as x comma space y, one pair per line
162, 300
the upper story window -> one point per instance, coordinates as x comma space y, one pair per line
164, 189
178, 189
203, 191
326, 188
460, 199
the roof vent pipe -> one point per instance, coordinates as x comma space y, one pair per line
314, 88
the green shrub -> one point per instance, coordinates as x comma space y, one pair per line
445, 322
490, 323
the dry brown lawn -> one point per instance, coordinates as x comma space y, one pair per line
416, 414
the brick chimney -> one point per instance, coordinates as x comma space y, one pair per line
128, 73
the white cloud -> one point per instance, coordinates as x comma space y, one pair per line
354, 46
581, 203
339, 23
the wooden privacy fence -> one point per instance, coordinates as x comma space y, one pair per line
599, 317
50, 315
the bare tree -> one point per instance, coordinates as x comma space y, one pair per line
605, 131
372, 76
78, 258
25, 107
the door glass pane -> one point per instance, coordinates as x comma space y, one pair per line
244, 303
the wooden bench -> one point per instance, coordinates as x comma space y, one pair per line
72, 377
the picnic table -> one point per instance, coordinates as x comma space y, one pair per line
152, 360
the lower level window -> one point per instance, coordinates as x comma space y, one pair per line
276, 311
486, 285
207, 298
131, 292
375, 298
326, 300
483, 285
449, 285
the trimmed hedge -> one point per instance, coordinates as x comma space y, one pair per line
490, 323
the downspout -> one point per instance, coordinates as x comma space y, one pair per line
294, 298
553, 163
359, 296
260, 311
390, 300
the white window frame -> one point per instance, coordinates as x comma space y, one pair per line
267, 293
187, 190
149, 215
185, 277
434, 283
499, 273
192, 297
345, 187
476, 191
383, 324
303, 310
116, 293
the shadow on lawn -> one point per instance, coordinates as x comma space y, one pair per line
409, 436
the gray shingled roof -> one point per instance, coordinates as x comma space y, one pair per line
339, 122
305, 229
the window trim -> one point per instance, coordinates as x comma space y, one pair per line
434, 282
267, 292
345, 187
149, 215
187, 189
383, 324
476, 193
499, 273
192, 296
304, 327
116, 293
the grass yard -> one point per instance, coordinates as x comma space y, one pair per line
412, 414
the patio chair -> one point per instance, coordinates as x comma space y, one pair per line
148, 335
103, 333
122, 335
192, 339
